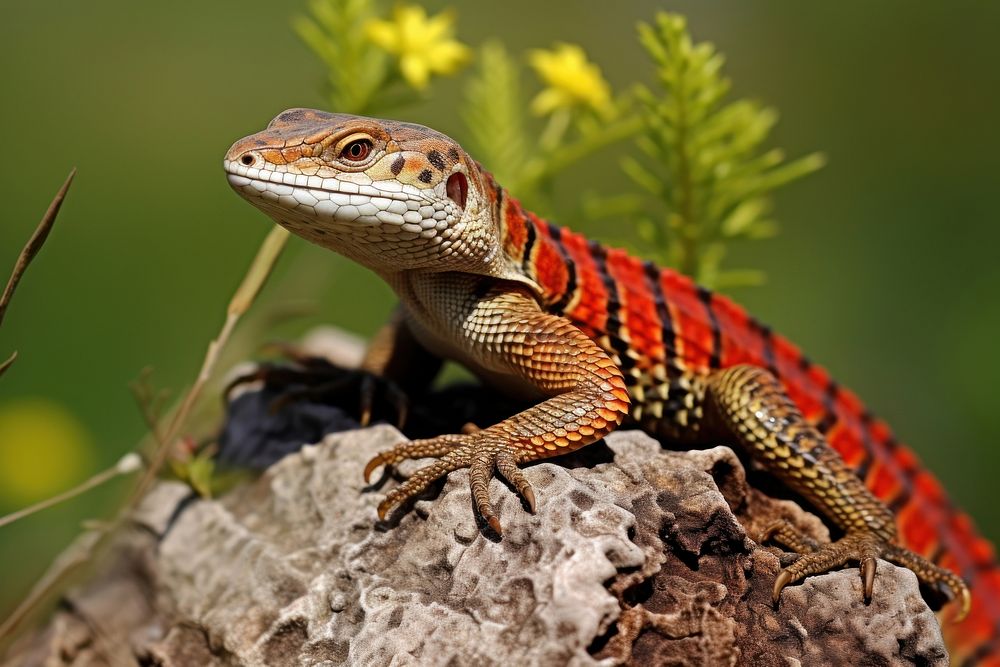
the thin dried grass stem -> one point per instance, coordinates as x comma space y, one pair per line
260, 269
7, 364
34, 244
81, 551
128, 464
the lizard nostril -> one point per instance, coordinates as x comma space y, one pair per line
248, 159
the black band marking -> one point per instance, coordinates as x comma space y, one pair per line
560, 305
613, 328
667, 333
715, 360
529, 245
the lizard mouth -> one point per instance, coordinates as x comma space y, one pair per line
337, 199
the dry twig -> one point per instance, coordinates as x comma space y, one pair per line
125, 466
259, 270
7, 364
34, 244
28, 253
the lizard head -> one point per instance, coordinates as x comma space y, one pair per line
390, 195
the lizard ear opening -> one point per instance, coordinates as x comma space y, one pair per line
458, 188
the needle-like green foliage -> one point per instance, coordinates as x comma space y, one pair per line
494, 113
704, 170
357, 70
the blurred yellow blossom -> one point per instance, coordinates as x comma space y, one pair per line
44, 449
571, 80
424, 45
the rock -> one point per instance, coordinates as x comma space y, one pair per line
636, 555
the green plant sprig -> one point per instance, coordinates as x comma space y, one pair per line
703, 177
359, 77
707, 181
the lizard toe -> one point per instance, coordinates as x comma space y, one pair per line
932, 575
313, 379
416, 449
416, 484
789, 536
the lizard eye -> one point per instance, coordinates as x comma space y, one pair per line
357, 150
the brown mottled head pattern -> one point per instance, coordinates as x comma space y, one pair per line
390, 195
419, 154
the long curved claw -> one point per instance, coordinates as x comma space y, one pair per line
868, 566
375, 462
393, 396
367, 394
480, 473
400, 402
853, 546
783, 579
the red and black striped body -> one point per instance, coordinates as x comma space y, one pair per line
660, 328
621, 338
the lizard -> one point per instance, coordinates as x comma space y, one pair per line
599, 338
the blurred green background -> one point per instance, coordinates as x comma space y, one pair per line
886, 268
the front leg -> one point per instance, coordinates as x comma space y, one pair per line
506, 332
395, 357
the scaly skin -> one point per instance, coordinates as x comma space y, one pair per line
601, 338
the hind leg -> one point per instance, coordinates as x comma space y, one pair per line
750, 405
395, 366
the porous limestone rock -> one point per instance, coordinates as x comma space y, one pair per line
635, 555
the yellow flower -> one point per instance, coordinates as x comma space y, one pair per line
424, 45
43, 450
571, 80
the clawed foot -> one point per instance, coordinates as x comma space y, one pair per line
483, 452
316, 379
863, 548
